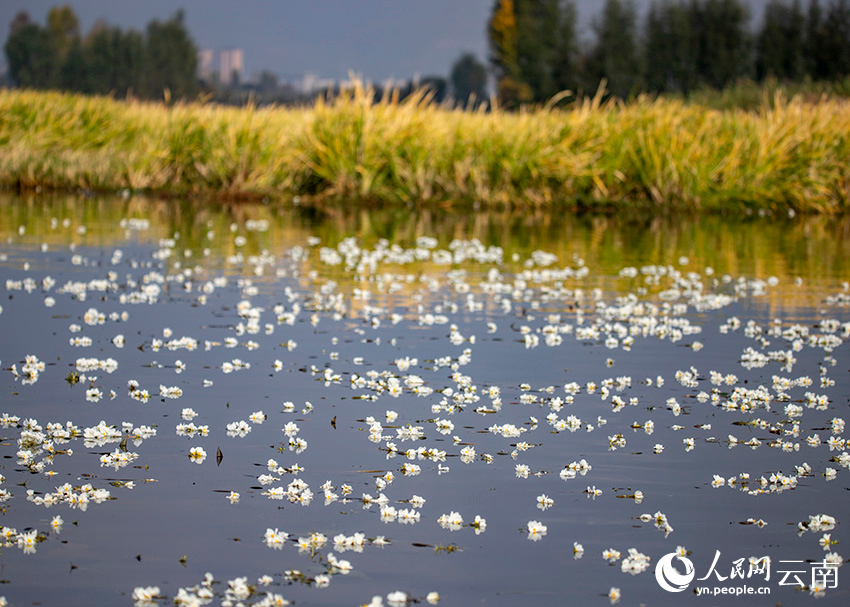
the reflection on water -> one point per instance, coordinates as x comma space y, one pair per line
815, 247
337, 403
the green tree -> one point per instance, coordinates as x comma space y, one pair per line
469, 79
33, 61
816, 60
827, 40
536, 39
502, 35
101, 62
565, 57
107, 60
725, 43
129, 54
615, 56
546, 46
63, 28
670, 48
74, 71
779, 47
171, 59
21, 19
533, 49
836, 39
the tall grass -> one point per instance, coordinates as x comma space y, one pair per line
667, 153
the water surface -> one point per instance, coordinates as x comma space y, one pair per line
538, 340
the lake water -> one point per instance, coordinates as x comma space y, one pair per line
370, 381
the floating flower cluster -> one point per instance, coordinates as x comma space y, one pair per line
353, 308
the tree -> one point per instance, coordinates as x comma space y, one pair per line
129, 53
469, 79
106, 61
534, 49
670, 48
615, 55
32, 58
100, 59
21, 19
171, 59
817, 64
437, 86
536, 38
827, 40
63, 28
724, 42
268, 82
546, 46
779, 48
74, 72
836, 39
565, 57
502, 35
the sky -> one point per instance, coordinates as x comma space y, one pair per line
374, 39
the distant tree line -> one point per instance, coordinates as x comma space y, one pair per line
682, 46
106, 60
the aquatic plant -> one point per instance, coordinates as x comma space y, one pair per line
657, 152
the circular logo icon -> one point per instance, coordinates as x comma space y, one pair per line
668, 576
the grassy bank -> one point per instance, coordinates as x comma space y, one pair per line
664, 153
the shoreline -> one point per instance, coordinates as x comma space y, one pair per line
651, 154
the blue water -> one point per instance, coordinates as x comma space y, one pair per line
176, 523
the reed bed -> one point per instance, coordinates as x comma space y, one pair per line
665, 153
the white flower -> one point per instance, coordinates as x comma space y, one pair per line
238, 429
611, 555
544, 502
833, 559
452, 521
275, 539
145, 593
479, 524
467, 454
536, 530
636, 562
197, 455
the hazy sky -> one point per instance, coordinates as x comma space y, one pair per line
377, 39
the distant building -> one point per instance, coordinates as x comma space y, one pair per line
312, 82
206, 59
231, 66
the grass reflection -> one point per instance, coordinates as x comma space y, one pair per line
815, 249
